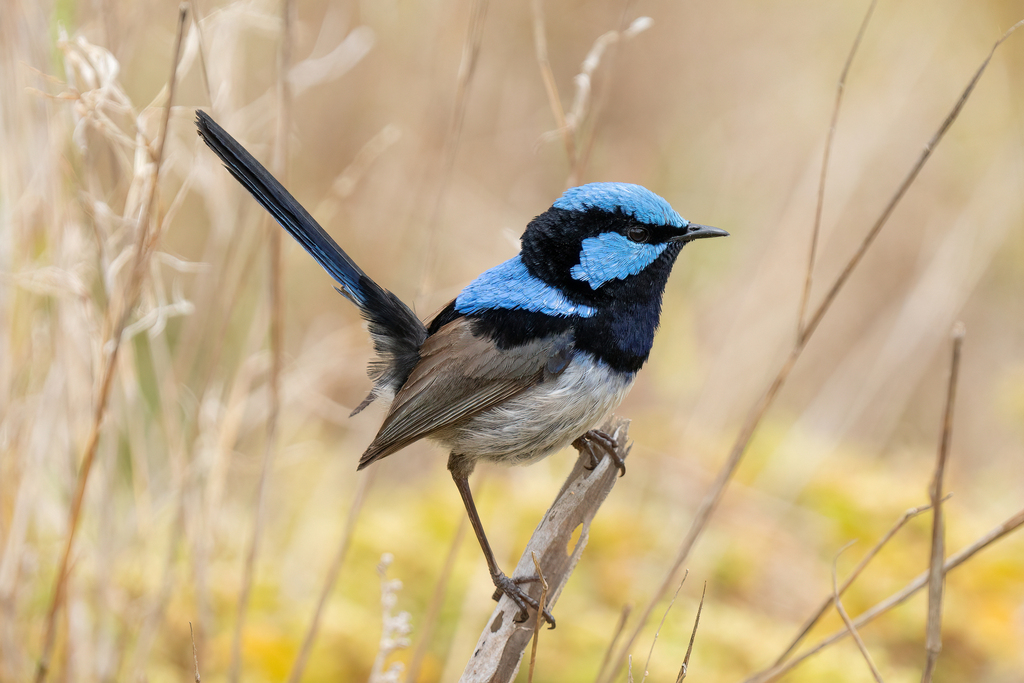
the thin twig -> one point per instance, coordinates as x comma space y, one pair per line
935, 579
693, 636
828, 601
299, 665
1002, 530
116, 322
710, 502
846, 618
840, 88
650, 653
541, 603
276, 338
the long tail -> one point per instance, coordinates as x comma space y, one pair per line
396, 331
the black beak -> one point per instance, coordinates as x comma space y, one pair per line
696, 231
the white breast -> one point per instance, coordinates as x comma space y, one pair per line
544, 418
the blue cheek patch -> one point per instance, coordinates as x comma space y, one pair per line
610, 256
510, 286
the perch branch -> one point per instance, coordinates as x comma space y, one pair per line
500, 649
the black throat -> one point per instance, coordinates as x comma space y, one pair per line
619, 334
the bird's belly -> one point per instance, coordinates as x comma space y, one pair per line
544, 418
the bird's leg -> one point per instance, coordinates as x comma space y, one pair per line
605, 441
457, 465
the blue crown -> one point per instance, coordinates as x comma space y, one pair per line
632, 200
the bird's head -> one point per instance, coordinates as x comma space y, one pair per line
608, 242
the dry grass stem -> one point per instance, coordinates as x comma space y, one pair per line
433, 613
823, 178
467, 68
693, 636
861, 566
116, 321
935, 575
849, 624
195, 653
201, 49
540, 43
711, 500
1001, 531
276, 303
926, 153
571, 124
299, 665
661, 624
541, 604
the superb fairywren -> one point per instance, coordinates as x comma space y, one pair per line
533, 354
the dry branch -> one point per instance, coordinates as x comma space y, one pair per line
501, 646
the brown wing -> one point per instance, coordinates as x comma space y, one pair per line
458, 375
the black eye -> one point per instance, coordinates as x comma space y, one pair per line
638, 235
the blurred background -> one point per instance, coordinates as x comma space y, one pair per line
722, 107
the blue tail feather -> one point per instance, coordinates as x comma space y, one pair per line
266, 189
396, 331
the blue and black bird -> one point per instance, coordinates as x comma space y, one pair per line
533, 355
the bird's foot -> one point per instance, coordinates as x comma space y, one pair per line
510, 587
593, 438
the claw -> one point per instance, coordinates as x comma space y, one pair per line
607, 442
510, 587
